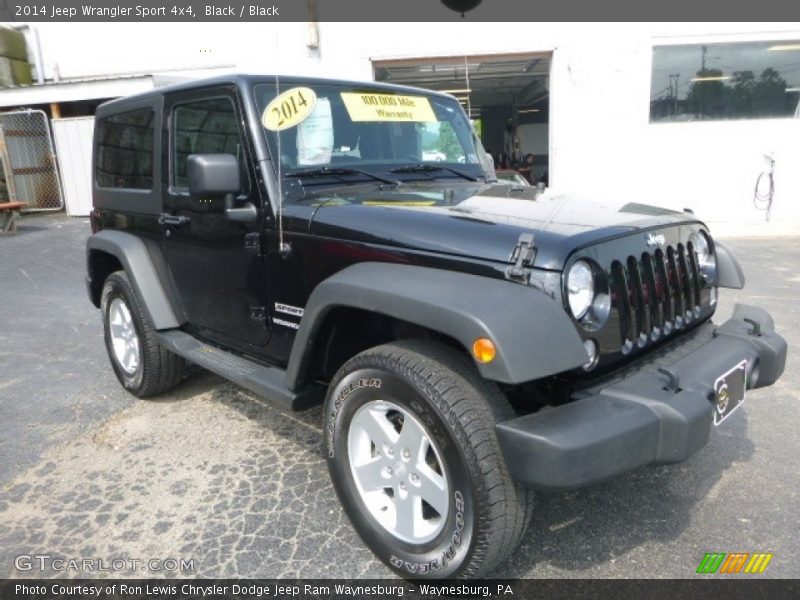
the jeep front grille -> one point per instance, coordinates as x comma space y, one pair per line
655, 293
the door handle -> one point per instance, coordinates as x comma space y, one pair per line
246, 214
177, 220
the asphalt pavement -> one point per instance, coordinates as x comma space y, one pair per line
212, 481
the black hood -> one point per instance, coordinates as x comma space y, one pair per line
482, 221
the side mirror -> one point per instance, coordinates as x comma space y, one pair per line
218, 175
213, 174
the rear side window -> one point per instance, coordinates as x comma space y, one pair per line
124, 155
205, 127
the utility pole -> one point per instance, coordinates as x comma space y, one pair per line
313, 25
673, 90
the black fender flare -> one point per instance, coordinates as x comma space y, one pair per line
730, 273
134, 257
533, 334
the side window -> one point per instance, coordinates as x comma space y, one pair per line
205, 127
124, 156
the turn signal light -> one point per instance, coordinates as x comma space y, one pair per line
483, 350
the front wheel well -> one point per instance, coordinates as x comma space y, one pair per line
100, 265
348, 331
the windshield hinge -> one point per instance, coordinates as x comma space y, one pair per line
523, 255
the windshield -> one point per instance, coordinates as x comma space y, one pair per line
330, 133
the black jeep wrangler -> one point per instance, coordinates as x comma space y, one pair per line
348, 243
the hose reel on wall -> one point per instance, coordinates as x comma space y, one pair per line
765, 187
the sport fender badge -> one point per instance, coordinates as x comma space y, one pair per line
289, 108
288, 309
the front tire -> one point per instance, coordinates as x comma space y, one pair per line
141, 364
415, 461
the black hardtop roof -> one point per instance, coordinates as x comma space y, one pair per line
244, 82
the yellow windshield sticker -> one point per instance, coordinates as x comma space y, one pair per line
289, 109
388, 107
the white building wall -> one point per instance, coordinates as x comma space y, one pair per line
601, 141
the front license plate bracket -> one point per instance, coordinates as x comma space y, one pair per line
729, 391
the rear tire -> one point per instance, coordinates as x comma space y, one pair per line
429, 394
141, 364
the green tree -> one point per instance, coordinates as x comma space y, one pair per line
448, 143
708, 94
769, 94
742, 92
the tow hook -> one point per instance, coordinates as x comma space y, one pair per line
756, 330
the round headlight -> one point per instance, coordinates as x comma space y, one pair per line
580, 288
706, 261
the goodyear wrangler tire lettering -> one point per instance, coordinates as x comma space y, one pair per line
361, 383
449, 552
483, 515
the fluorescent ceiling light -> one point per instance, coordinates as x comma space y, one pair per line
465, 91
435, 69
451, 67
784, 47
712, 78
793, 89
528, 110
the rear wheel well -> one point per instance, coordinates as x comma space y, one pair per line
101, 265
347, 331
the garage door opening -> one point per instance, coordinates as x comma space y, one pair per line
507, 96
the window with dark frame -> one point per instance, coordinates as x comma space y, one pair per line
744, 80
205, 127
124, 157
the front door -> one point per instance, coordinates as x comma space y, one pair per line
215, 265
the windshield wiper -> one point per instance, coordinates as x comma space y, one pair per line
337, 171
423, 168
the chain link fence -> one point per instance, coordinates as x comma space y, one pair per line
28, 169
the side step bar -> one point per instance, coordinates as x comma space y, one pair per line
265, 381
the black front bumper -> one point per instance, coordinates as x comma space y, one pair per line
644, 416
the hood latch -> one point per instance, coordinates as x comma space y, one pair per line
523, 255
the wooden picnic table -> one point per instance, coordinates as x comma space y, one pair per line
10, 212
